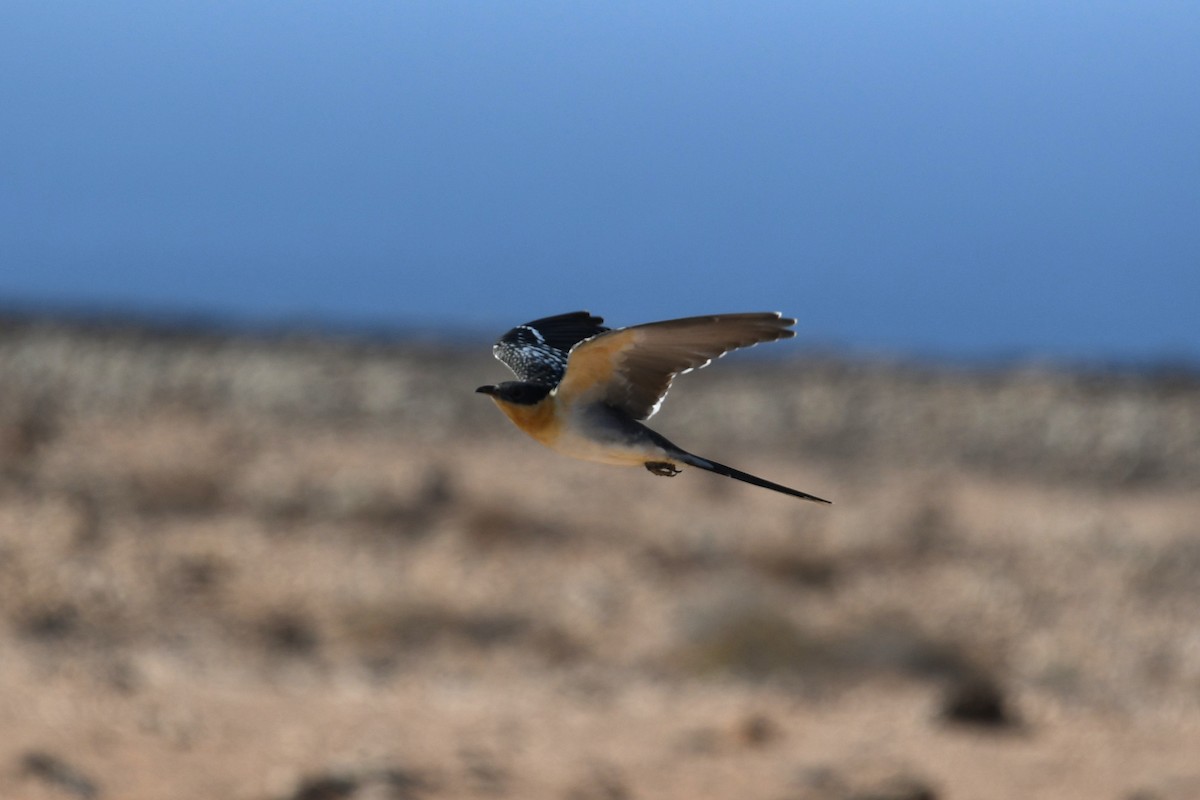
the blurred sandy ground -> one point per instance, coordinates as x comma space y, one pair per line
304, 568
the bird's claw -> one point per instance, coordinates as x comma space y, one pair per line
664, 468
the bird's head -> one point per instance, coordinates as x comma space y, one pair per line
516, 392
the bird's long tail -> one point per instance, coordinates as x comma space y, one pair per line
737, 474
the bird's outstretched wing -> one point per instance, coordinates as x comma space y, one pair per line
537, 351
632, 368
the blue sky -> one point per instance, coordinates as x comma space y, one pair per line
952, 179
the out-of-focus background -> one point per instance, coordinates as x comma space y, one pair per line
259, 539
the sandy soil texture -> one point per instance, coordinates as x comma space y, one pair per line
304, 568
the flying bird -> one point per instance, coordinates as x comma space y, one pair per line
584, 389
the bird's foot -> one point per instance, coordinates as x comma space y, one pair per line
664, 468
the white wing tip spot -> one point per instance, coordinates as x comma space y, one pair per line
536, 333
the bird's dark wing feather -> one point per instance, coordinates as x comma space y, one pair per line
632, 368
537, 351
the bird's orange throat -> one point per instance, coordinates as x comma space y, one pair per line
537, 420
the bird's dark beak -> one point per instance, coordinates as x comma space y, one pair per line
486, 390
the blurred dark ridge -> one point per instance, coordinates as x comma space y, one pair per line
1116, 426
214, 327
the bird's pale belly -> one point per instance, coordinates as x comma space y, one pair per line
586, 432
572, 444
